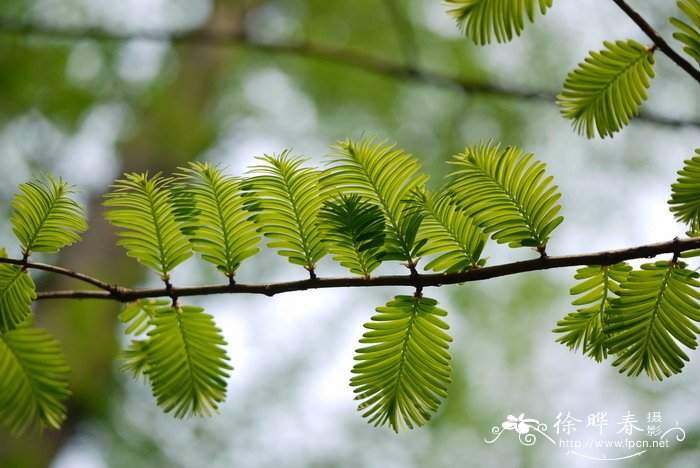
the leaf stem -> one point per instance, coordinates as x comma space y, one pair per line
659, 41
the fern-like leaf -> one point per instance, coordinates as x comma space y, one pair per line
354, 232
289, 198
448, 230
508, 195
135, 359
34, 380
17, 291
45, 218
653, 316
483, 19
403, 372
186, 361
689, 34
223, 232
143, 206
606, 90
584, 329
685, 193
138, 314
384, 175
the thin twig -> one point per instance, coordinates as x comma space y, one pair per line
61, 271
414, 280
314, 50
659, 41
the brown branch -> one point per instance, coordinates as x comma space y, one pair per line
370, 63
416, 280
61, 271
658, 40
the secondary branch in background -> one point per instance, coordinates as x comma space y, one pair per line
610, 257
314, 50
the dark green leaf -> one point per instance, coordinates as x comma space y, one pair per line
354, 232
383, 175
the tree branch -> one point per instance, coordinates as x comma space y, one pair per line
61, 271
404, 33
658, 40
415, 280
314, 50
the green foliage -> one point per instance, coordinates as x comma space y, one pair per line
354, 233
139, 313
584, 329
482, 19
223, 232
182, 357
447, 230
135, 359
509, 196
403, 372
289, 199
606, 90
17, 291
34, 380
139, 316
45, 218
186, 361
689, 34
143, 206
685, 194
654, 313
384, 175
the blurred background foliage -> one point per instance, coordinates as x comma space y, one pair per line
248, 77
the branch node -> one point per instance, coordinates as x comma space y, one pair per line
170, 292
676, 249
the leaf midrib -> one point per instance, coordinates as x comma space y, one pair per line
297, 218
402, 359
595, 98
157, 228
54, 196
389, 214
657, 306
523, 214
